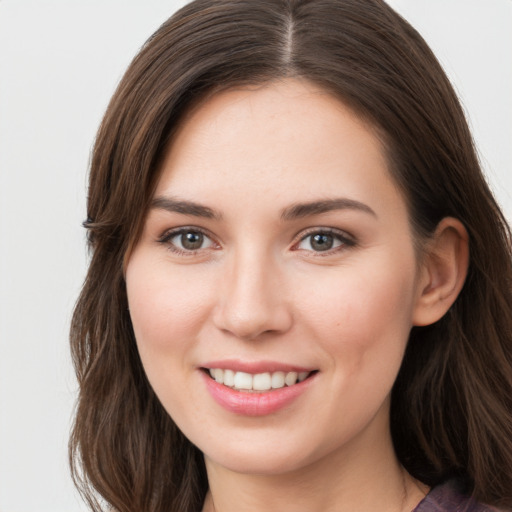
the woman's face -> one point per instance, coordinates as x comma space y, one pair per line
277, 249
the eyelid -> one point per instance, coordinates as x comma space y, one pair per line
166, 237
346, 239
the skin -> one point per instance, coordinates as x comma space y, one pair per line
257, 289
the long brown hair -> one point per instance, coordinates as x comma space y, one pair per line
451, 411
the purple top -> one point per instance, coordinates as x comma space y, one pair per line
447, 498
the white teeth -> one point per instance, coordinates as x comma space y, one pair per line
277, 380
218, 375
291, 378
229, 378
258, 382
262, 382
243, 380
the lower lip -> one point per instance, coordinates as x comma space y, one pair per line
255, 403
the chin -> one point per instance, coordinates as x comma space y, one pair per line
263, 463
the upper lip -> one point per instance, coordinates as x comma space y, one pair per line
255, 366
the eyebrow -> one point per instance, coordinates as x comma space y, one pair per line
185, 207
295, 211
300, 210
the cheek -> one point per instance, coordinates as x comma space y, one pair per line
363, 315
166, 307
167, 310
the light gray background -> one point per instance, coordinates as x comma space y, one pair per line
59, 64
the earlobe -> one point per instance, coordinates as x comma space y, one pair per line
444, 269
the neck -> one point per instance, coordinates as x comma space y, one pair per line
356, 478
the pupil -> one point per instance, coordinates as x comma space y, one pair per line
322, 242
192, 240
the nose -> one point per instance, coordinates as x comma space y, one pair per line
252, 301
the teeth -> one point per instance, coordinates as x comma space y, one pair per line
242, 380
291, 378
229, 378
218, 375
277, 380
259, 382
262, 382
302, 376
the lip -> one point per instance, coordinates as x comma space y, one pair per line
255, 367
256, 403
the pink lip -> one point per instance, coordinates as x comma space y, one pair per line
254, 367
254, 404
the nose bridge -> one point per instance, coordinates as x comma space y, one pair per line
252, 300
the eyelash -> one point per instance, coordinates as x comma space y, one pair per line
166, 238
345, 241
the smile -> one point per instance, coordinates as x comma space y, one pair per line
266, 381
256, 392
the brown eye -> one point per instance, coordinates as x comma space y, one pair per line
323, 241
187, 240
192, 240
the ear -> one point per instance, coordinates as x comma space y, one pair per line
443, 271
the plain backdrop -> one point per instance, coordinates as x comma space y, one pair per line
59, 64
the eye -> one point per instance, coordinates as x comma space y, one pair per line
187, 240
323, 241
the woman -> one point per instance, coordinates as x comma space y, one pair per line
299, 291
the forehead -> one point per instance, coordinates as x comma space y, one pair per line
291, 140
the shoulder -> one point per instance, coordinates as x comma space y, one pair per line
448, 497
